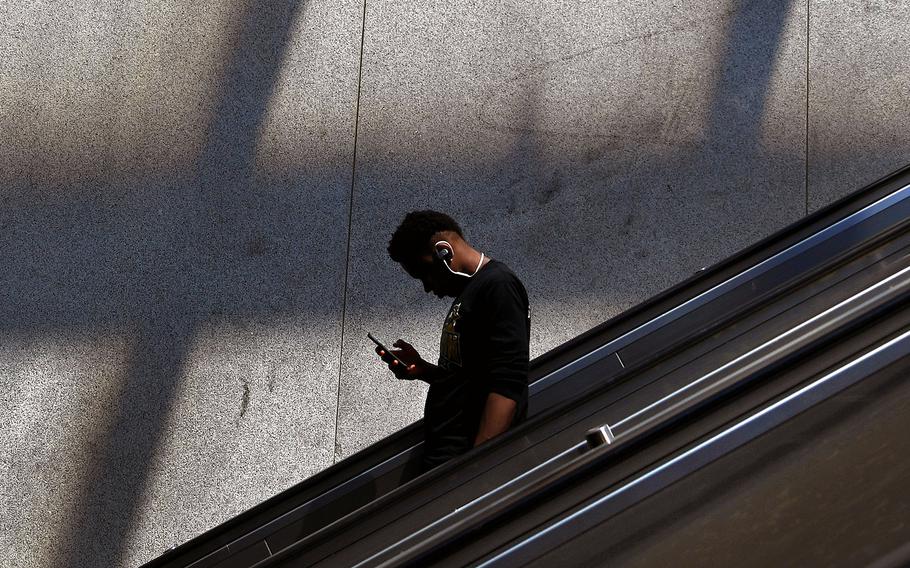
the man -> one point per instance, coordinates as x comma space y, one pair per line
479, 389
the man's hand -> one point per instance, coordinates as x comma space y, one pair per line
417, 368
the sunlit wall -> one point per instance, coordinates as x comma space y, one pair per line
195, 199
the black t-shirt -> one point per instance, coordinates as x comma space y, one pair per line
484, 349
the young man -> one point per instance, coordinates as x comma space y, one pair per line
479, 389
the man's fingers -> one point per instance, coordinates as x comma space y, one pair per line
402, 370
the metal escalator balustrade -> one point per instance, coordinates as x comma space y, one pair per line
703, 454
884, 214
356, 523
706, 389
827, 246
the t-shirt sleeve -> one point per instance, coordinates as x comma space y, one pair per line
507, 347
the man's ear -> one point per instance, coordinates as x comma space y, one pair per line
443, 251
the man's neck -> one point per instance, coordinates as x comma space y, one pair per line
472, 262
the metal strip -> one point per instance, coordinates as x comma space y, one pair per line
301, 510
707, 451
703, 298
890, 286
574, 449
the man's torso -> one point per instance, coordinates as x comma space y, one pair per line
455, 402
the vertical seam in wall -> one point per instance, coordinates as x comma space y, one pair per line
347, 264
808, 12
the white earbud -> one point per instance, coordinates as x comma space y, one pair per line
446, 255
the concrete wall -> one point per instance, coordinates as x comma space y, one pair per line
196, 198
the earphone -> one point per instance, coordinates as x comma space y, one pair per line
445, 255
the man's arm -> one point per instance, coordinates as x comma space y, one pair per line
417, 368
497, 417
507, 342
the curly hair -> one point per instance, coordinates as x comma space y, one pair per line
411, 239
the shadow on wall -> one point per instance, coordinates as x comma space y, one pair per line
632, 187
219, 244
213, 244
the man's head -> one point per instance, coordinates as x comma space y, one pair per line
414, 246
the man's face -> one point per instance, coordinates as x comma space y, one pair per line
434, 276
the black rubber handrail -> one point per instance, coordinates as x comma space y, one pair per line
233, 529
800, 341
562, 530
364, 522
836, 251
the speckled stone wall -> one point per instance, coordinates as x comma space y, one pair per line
175, 181
195, 199
859, 93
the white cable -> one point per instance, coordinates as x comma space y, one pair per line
476, 270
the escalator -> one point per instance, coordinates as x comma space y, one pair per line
825, 488
581, 513
782, 304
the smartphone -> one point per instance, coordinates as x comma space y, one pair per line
388, 351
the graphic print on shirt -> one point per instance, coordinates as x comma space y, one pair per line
450, 345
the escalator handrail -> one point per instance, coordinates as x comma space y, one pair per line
548, 363
806, 336
786, 255
705, 452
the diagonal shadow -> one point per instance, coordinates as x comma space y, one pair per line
660, 183
741, 91
215, 203
194, 267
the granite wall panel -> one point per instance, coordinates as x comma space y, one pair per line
175, 180
180, 294
859, 78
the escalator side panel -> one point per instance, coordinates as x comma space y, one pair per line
514, 530
829, 488
627, 403
757, 289
369, 457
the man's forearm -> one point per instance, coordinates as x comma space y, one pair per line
497, 417
432, 373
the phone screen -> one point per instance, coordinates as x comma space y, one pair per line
388, 351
